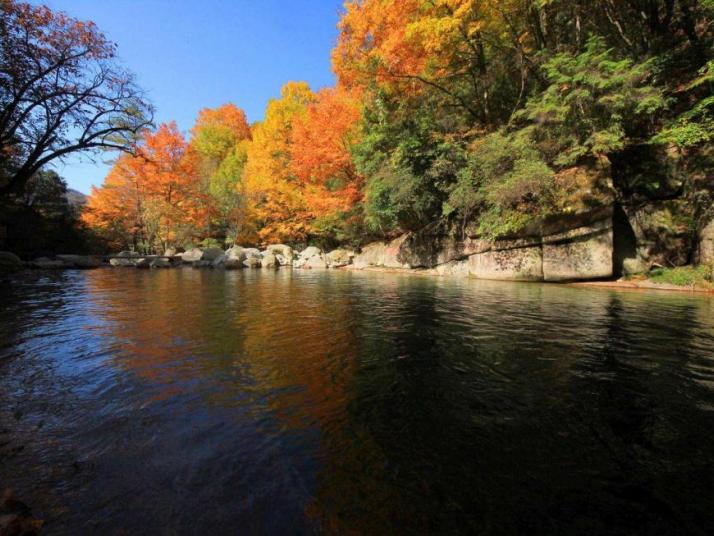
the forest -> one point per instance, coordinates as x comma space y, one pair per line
473, 114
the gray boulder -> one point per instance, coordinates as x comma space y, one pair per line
285, 253
124, 258
172, 251
160, 262
252, 262
192, 255
220, 262
202, 264
339, 257
269, 260
253, 258
211, 254
311, 257
233, 258
144, 263
9, 263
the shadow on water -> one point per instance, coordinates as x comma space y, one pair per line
187, 401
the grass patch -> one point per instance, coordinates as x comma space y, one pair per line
684, 276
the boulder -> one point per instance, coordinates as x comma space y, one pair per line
124, 258
311, 257
339, 257
252, 258
269, 260
160, 262
9, 263
192, 255
172, 251
233, 258
144, 263
45, 263
202, 264
252, 252
285, 252
211, 254
220, 262
79, 261
235, 253
252, 262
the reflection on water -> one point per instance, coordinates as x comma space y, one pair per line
253, 402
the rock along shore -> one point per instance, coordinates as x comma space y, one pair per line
598, 245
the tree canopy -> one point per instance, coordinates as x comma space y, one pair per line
471, 112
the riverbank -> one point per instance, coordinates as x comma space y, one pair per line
621, 284
681, 279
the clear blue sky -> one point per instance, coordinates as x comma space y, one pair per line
192, 54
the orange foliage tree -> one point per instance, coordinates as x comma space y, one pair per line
274, 195
151, 200
452, 47
320, 160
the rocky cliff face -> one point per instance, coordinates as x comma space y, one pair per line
570, 247
605, 229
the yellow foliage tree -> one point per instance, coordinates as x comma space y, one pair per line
275, 199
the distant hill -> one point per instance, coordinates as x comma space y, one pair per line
75, 199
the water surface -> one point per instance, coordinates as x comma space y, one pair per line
252, 402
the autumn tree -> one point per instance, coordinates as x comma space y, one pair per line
61, 92
150, 200
276, 201
116, 211
321, 160
220, 138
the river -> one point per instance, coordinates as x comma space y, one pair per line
311, 402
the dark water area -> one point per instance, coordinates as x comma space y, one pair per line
252, 402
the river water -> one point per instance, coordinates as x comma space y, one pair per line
304, 402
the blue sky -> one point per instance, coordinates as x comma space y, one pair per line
192, 54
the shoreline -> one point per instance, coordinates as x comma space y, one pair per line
88, 262
619, 284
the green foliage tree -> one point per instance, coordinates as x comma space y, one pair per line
506, 182
592, 104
